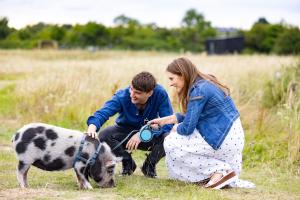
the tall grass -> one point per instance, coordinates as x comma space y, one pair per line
283, 95
65, 87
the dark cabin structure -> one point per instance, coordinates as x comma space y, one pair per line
47, 44
225, 45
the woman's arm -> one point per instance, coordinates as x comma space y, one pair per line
171, 119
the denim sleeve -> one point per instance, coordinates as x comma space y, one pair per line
194, 110
109, 109
180, 117
165, 109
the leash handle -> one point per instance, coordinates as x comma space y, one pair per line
147, 132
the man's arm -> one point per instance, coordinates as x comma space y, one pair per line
109, 109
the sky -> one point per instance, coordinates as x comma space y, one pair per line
165, 13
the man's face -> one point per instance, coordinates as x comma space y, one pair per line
139, 97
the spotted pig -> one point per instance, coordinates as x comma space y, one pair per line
54, 148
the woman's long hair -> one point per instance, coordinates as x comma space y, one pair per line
185, 68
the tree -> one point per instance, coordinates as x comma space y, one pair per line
192, 18
262, 20
195, 30
262, 37
57, 33
123, 20
288, 42
4, 29
90, 34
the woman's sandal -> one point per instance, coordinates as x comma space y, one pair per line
226, 178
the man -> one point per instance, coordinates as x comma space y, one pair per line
142, 101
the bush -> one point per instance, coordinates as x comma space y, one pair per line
282, 98
288, 42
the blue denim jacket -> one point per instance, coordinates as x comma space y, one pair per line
210, 111
158, 105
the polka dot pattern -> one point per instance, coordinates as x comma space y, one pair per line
192, 159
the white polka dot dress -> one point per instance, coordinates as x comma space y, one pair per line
191, 159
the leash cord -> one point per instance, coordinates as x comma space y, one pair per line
120, 143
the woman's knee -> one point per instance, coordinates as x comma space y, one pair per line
167, 143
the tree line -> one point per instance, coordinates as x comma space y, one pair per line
129, 33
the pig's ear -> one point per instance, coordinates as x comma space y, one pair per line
113, 162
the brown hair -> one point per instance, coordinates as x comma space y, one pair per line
185, 68
144, 82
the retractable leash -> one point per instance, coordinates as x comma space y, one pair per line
120, 143
146, 134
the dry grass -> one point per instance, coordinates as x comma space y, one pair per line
65, 87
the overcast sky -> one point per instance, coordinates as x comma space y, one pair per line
165, 13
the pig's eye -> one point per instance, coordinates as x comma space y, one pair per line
110, 169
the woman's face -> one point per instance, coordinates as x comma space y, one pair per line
175, 81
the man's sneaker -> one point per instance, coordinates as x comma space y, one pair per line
128, 168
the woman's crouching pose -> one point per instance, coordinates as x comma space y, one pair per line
207, 140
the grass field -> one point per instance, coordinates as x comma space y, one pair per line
64, 87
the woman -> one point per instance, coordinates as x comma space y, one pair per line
208, 140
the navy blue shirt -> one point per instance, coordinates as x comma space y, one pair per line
158, 105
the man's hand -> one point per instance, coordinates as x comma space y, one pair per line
91, 131
134, 142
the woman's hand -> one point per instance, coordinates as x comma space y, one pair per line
163, 120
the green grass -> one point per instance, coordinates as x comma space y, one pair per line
11, 76
7, 99
270, 158
271, 182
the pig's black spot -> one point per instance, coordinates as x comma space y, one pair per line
17, 136
40, 143
51, 134
85, 155
39, 129
46, 158
21, 147
82, 170
28, 135
56, 164
70, 151
21, 165
102, 149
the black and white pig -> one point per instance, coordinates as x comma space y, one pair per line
54, 148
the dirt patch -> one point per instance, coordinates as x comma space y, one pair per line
6, 147
44, 193
19, 193
10, 123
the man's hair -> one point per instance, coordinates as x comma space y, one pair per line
144, 82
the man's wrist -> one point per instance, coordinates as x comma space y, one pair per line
92, 128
